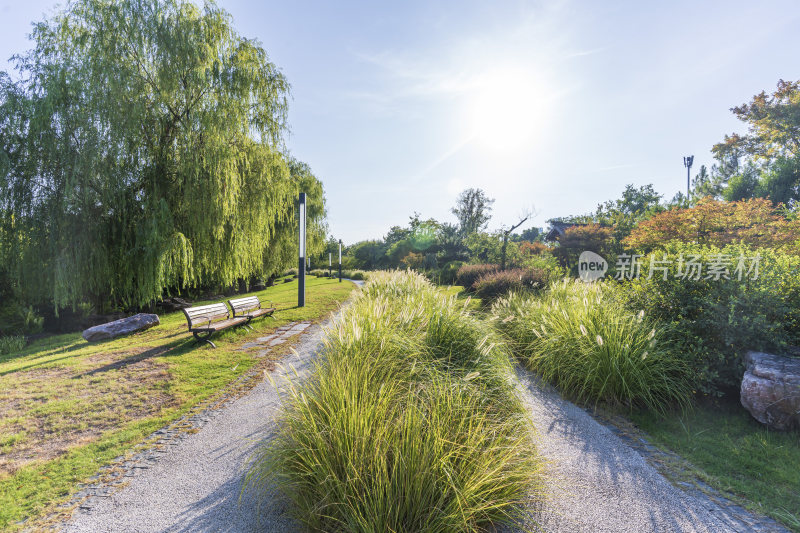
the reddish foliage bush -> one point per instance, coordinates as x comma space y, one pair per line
577, 239
533, 248
755, 222
495, 284
468, 275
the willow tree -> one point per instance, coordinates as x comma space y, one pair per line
141, 150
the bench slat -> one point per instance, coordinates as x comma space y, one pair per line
223, 324
241, 306
204, 309
206, 314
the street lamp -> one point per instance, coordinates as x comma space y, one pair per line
301, 275
687, 162
340, 260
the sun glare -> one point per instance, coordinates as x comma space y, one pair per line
507, 110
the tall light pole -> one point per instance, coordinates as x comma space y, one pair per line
301, 274
687, 162
340, 260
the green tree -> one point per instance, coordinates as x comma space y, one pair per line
368, 255
770, 148
472, 210
141, 150
773, 126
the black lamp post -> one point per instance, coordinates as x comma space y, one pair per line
340, 260
687, 162
301, 274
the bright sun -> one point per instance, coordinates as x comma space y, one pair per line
506, 110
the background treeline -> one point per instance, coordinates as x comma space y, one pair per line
142, 154
439, 249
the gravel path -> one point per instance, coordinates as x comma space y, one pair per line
597, 482
600, 484
196, 484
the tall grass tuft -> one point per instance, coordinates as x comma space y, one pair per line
409, 422
588, 344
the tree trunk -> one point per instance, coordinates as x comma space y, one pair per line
503, 253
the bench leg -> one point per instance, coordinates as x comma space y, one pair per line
204, 338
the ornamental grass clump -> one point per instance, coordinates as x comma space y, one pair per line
593, 348
408, 423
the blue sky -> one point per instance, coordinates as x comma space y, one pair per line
547, 105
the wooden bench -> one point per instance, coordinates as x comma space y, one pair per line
250, 308
205, 320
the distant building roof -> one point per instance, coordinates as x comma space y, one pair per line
557, 228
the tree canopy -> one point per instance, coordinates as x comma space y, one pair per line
473, 209
142, 150
755, 222
765, 161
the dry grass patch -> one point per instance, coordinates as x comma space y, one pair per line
45, 412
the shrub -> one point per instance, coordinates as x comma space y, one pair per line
408, 423
577, 239
592, 348
495, 284
18, 319
447, 274
358, 275
713, 322
533, 248
12, 344
755, 221
412, 260
467, 275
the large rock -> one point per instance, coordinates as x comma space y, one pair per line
771, 389
123, 326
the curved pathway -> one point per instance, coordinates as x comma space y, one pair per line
597, 482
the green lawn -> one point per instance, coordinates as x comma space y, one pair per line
68, 407
735, 454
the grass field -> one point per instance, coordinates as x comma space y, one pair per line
68, 407
732, 452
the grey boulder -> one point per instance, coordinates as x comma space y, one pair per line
123, 326
771, 389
